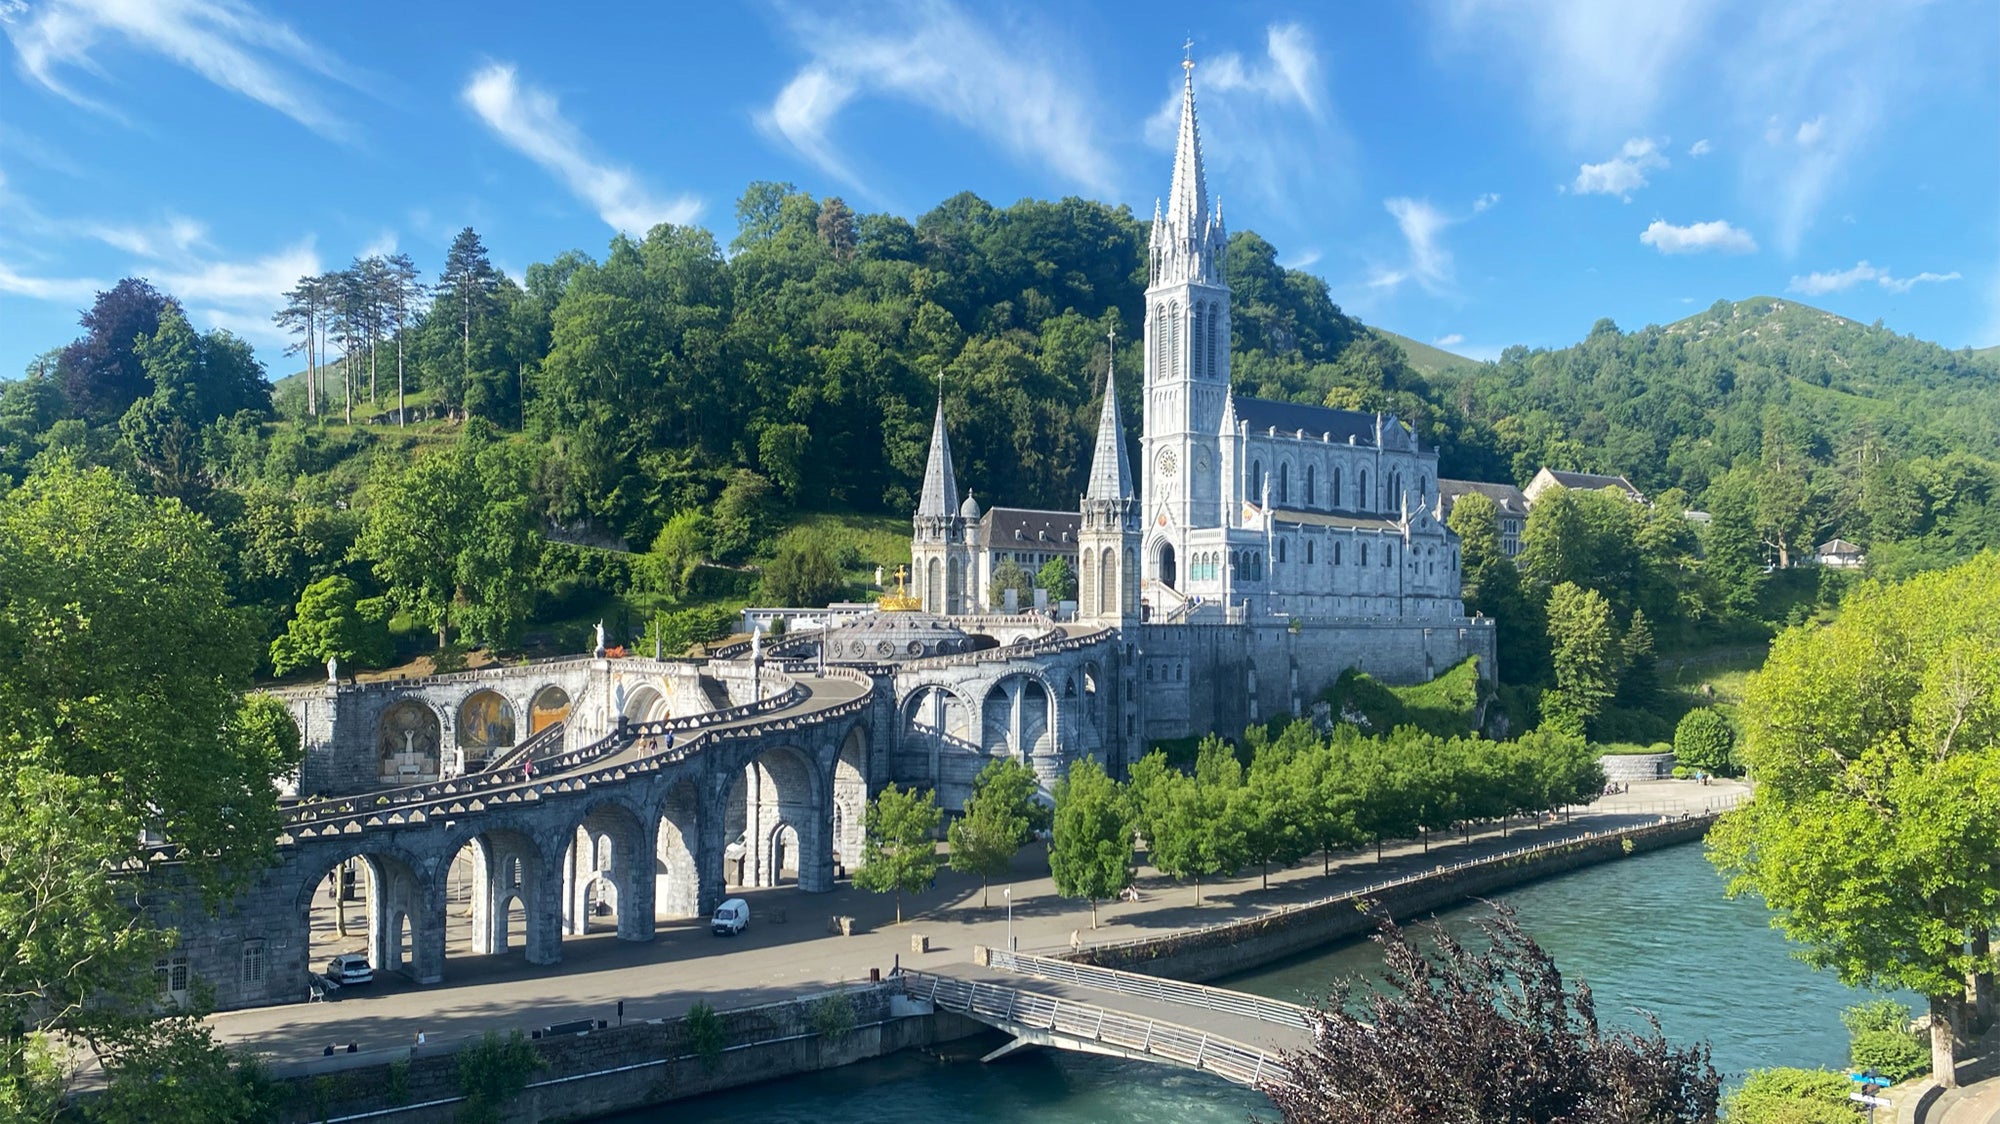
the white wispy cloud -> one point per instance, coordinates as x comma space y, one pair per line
1624, 173
1451, 340
1286, 145
1817, 284
1304, 259
1429, 263
1599, 68
228, 42
78, 290
529, 120
1007, 85
1700, 148
1697, 237
1488, 200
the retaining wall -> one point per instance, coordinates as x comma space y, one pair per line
1629, 767
1221, 950
620, 1068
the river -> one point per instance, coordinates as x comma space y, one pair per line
1652, 932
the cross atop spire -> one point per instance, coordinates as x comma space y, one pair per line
1188, 239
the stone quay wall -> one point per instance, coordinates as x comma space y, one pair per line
1215, 951
1625, 768
618, 1068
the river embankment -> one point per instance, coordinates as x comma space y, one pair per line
614, 1068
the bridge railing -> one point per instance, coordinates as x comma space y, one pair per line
535, 748
1152, 987
1013, 1007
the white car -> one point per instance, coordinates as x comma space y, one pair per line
731, 918
350, 968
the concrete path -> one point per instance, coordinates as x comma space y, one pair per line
774, 961
1975, 1101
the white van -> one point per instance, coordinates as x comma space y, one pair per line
731, 918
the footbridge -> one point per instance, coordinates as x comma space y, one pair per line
1046, 1002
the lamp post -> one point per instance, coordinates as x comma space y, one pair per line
1008, 893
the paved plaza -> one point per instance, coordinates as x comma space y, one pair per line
776, 960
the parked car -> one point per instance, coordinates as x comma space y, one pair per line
350, 968
731, 918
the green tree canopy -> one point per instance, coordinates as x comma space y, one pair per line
1091, 853
998, 819
1585, 651
1704, 740
899, 854
334, 622
1875, 743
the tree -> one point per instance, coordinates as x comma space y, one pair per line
677, 550
1875, 742
1703, 740
101, 373
741, 516
467, 286
453, 537
1475, 519
403, 298
1091, 853
1790, 1096
1057, 577
1009, 574
334, 622
802, 572
303, 315
106, 733
1585, 653
899, 851
998, 819
1465, 1035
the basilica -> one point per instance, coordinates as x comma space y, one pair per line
1257, 539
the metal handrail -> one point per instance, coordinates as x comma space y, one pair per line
1176, 992
1005, 1006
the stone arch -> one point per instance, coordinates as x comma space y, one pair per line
607, 869
408, 738
1093, 699
485, 724
381, 884
495, 882
1017, 720
1163, 555
549, 706
780, 786
644, 703
676, 845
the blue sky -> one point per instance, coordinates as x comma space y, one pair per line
1475, 173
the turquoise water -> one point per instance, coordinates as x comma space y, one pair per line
1651, 932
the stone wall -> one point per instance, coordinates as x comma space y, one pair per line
619, 1068
1222, 950
1624, 768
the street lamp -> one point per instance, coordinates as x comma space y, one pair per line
1008, 893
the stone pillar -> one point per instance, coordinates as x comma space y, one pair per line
756, 829
710, 843
383, 944
485, 891
632, 870
577, 866
428, 920
815, 831
542, 897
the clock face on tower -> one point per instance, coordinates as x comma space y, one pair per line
1168, 465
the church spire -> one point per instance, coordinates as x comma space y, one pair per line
1110, 472
1187, 244
940, 495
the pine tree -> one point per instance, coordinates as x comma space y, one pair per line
468, 282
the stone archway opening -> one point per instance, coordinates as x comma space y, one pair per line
407, 744
549, 706
850, 801
608, 869
485, 727
1165, 566
1017, 720
489, 884
645, 703
778, 787
364, 902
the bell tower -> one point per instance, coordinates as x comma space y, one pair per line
1108, 538
1187, 359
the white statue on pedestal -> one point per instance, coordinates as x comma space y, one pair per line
599, 651
333, 669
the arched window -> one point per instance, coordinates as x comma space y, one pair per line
1364, 554
1284, 483
1309, 552
1160, 342
1214, 330
1424, 488
1389, 555
1361, 493
1333, 493
1311, 496
1173, 339
1336, 554
1281, 550
1200, 336
1256, 482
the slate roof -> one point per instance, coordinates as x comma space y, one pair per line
1262, 414
1022, 528
1509, 499
1591, 482
1337, 522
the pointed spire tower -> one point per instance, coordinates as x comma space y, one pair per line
1182, 479
1108, 539
940, 550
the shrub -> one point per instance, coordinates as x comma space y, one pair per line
1704, 740
1790, 1096
494, 1071
705, 1035
832, 1016
1879, 1038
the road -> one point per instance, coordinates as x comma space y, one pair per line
778, 960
